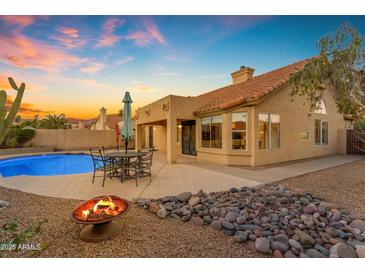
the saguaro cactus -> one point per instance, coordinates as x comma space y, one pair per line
7, 117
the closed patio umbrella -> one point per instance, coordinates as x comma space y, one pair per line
127, 130
117, 134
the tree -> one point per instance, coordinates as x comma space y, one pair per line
340, 67
120, 113
34, 123
55, 121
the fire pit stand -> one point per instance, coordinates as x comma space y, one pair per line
100, 232
100, 227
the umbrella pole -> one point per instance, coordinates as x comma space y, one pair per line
126, 145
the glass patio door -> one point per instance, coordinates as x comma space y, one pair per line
188, 137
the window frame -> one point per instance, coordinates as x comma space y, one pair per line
270, 131
210, 131
321, 143
239, 130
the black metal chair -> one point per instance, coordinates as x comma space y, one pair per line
144, 164
103, 164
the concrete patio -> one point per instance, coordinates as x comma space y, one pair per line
170, 179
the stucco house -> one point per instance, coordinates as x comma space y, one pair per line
106, 121
253, 121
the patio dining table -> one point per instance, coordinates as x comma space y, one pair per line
125, 156
128, 155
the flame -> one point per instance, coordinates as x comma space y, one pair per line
85, 214
104, 206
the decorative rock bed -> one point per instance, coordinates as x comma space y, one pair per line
271, 219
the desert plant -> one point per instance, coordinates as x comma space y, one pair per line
14, 234
7, 117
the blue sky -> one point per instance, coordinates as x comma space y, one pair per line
77, 64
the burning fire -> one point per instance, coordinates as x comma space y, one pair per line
105, 207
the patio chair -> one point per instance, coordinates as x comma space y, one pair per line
102, 164
144, 164
139, 167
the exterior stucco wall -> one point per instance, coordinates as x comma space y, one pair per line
342, 141
295, 118
226, 155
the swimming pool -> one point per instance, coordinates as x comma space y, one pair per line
46, 165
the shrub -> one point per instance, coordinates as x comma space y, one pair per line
17, 137
24, 135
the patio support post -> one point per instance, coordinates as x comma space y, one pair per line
138, 137
171, 140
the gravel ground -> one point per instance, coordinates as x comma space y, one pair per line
344, 185
144, 236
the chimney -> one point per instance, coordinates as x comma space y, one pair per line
102, 118
81, 125
242, 75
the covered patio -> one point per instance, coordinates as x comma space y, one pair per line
169, 126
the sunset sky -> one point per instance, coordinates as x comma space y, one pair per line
77, 64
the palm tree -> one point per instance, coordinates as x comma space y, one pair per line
55, 121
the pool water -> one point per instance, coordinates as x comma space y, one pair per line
46, 165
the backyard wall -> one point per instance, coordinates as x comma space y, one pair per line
66, 139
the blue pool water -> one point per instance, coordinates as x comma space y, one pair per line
46, 165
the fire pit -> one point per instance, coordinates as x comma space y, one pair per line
97, 215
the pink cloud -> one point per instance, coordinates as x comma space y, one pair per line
69, 37
155, 33
151, 33
71, 32
23, 52
92, 67
18, 20
109, 38
140, 38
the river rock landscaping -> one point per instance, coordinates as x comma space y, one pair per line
270, 219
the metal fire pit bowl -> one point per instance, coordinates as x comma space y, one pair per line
100, 228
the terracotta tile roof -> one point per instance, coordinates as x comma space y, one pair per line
112, 119
251, 90
88, 123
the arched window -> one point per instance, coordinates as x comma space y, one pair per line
320, 107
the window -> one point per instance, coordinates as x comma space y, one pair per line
320, 107
269, 130
211, 132
320, 132
239, 128
206, 132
